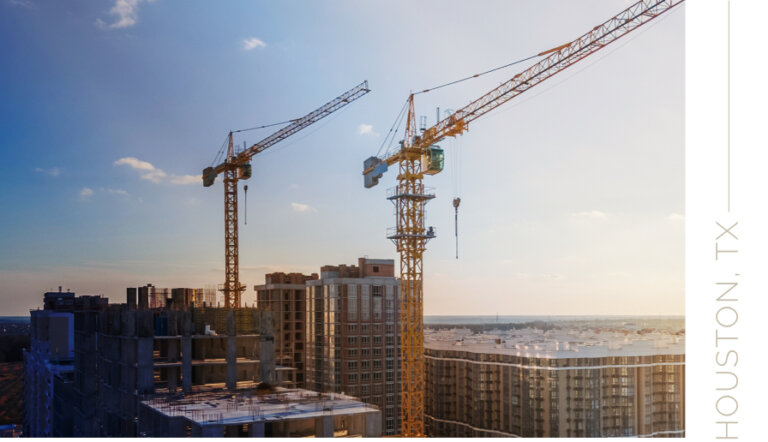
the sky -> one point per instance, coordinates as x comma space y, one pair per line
572, 194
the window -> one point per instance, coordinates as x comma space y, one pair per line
352, 308
375, 269
377, 290
351, 340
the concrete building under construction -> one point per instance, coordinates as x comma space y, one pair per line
50, 363
127, 357
530, 383
251, 412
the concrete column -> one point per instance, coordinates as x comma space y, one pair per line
145, 365
186, 352
130, 298
256, 429
176, 427
173, 356
231, 351
324, 426
266, 348
212, 431
373, 425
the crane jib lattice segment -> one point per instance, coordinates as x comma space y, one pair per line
558, 59
410, 196
300, 123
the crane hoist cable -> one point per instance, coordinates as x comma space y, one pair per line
245, 204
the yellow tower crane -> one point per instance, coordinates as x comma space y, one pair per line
419, 155
237, 166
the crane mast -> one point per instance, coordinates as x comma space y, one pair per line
237, 166
418, 155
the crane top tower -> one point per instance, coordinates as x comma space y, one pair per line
237, 166
419, 155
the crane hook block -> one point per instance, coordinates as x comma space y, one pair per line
209, 176
373, 169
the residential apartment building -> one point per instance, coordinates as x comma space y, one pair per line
49, 363
353, 335
530, 383
285, 296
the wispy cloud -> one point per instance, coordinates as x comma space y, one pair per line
151, 173
591, 214
53, 171
125, 14
86, 193
185, 179
134, 163
120, 192
298, 207
366, 129
676, 217
29, 4
253, 43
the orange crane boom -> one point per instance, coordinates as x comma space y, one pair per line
238, 167
418, 155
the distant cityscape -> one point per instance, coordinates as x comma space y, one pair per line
318, 355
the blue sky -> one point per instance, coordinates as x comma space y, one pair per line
572, 194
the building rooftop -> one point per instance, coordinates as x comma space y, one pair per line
219, 406
559, 343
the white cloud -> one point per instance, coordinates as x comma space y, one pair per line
53, 171
366, 129
592, 214
298, 207
187, 179
253, 43
134, 163
125, 13
676, 217
152, 173
86, 193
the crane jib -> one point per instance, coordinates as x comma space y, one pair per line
244, 157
